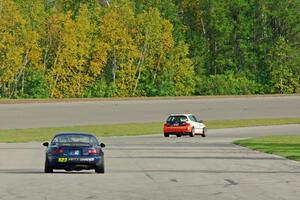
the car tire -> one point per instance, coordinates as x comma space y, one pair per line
204, 132
99, 169
166, 134
178, 135
48, 168
192, 133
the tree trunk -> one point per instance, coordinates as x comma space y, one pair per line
114, 67
140, 63
22, 71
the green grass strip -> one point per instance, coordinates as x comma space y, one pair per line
131, 129
287, 146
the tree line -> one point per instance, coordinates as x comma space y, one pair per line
95, 48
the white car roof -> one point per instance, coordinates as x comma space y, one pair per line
179, 114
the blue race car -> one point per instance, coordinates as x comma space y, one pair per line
74, 151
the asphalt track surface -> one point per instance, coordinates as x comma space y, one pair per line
111, 112
154, 167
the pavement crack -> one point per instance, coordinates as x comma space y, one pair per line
217, 193
91, 197
149, 176
174, 180
231, 182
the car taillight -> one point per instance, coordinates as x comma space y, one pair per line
92, 151
166, 124
57, 151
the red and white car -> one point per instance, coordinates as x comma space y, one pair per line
184, 124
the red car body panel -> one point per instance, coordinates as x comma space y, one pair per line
177, 129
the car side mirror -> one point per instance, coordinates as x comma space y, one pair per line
102, 145
46, 144
200, 121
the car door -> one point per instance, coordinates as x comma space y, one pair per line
198, 127
201, 126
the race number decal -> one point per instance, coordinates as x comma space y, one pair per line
62, 159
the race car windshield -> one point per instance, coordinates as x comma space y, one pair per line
177, 119
75, 139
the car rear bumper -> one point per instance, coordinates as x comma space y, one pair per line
74, 163
177, 129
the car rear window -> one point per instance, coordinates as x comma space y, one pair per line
75, 138
177, 119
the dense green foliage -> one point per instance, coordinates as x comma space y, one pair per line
106, 48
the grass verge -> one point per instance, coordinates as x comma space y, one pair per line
287, 146
132, 129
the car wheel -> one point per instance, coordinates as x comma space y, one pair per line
166, 134
192, 134
99, 169
204, 132
178, 135
48, 168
